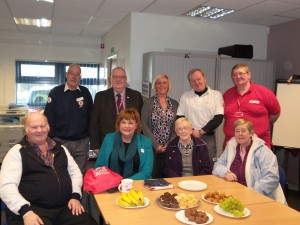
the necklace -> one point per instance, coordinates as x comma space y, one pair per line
186, 149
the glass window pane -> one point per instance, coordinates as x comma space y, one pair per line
87, 72
34, 80
29, 70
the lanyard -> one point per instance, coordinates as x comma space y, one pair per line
239, 102
120, 106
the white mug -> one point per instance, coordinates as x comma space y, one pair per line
126, 185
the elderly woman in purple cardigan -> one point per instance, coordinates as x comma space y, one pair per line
186, 155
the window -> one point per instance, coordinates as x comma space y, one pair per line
34, 80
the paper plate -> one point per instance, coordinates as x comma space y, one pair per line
204, 199
192, 185
218, 209
181, 217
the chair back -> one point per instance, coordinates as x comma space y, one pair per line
3, 208
282, 179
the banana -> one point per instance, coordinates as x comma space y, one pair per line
123, 203
125, 198
132, 198
134, 201
141, 197
134, 194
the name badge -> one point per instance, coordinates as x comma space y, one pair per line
254, 102
238, 114
79, 99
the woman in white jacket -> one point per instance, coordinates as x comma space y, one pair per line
247, 160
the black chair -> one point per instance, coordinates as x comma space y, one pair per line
282, 179
3, 207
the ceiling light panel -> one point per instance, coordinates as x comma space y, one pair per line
50, 1
33, 22
209, 12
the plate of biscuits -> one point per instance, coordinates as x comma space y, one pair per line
194, 217
214, 197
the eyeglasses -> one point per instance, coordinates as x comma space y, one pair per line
74, 73
118, 77
180, 129
239, 74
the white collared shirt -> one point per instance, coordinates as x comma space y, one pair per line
67, 88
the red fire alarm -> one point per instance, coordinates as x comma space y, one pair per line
101, 45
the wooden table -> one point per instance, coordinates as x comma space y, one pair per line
263, 209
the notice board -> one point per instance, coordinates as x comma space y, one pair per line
286, 130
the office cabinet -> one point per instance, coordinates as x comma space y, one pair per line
177, 66
9, 136
216, 69
262, 71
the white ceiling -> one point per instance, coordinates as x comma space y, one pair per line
93, 18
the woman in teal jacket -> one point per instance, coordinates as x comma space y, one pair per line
126, 151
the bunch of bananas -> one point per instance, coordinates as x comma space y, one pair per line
131, 199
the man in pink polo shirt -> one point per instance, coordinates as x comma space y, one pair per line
250, 101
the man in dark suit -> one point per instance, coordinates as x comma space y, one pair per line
108, 104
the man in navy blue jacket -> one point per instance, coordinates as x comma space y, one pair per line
68, 111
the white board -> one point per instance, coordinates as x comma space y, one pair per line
286, 130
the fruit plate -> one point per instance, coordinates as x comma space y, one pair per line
182, 218
218, 209
192, 185
204, 199
146, 200
175, 209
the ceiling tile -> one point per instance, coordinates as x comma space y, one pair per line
271, 7
172, 8
293, 13
242, 16
34, 29
30, 9
4, 13
232, 4
72, 30
272, 20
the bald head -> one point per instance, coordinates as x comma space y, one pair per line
73, 76
35, 116
36, 128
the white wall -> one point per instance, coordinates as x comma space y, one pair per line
119, 39
156, 33
40, 47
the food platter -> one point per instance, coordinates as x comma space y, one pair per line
218, 209
146, 200
203, 197
158, 201
181, 217
192, 185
